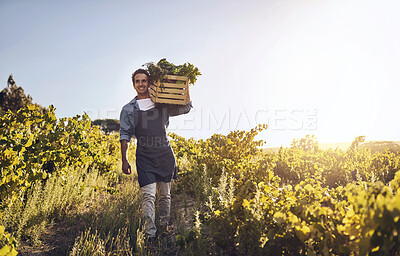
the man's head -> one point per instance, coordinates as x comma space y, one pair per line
141, 82
141, 71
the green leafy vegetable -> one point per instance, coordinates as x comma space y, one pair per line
163, 67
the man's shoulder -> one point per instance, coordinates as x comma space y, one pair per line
129, 106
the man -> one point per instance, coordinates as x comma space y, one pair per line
155, 160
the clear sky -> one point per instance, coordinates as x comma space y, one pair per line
323, 67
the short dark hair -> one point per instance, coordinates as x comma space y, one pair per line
141, 71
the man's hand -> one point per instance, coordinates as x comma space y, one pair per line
126, 167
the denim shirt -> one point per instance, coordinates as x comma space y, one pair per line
129, 116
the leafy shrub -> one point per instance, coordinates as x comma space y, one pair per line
36, 144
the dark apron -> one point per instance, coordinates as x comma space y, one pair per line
155, 160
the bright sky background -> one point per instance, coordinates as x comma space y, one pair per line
328, 68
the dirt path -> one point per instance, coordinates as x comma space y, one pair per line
59, 238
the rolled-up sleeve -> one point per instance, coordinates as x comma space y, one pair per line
176, 110
126, 125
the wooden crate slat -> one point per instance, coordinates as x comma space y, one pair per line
172, 85
170, 93
179, 78
170, 90
171, 101
153, 90
172, 96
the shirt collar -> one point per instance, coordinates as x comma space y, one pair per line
134, 102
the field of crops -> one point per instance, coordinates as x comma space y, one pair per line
64, 174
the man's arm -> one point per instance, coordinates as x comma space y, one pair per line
126, 167
176, 110
125, 134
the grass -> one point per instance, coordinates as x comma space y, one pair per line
80, 201
85, 212
49, 201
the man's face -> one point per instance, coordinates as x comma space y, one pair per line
141, 84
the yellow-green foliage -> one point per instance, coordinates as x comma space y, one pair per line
7, 243
31, 141
49, 165
294, 202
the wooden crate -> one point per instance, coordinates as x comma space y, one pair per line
174, 91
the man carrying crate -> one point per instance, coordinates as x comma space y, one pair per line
155, 160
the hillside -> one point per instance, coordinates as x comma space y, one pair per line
63, 193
